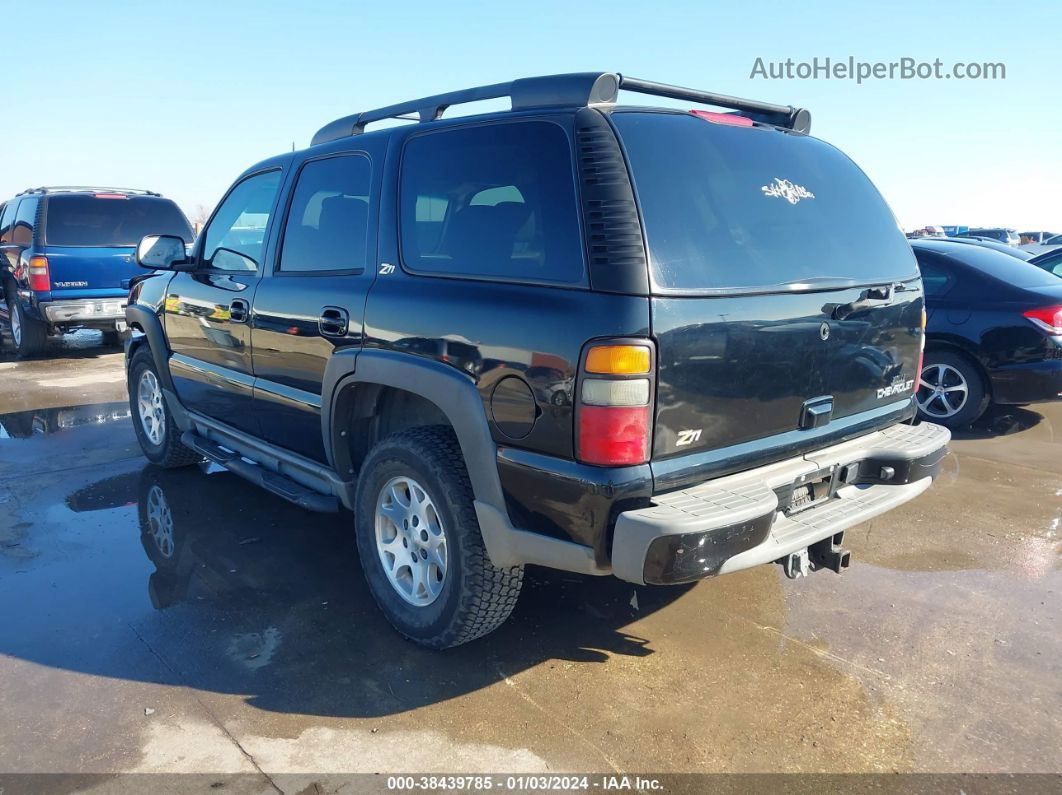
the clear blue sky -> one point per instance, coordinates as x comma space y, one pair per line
182, 96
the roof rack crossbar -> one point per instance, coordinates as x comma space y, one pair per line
87, 189
579, 89
779, 115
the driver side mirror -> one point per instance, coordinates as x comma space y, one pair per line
161, 253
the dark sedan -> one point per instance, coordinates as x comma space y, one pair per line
994, 333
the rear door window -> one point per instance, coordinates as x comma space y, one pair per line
328, 223
111, 221
732, 208
492, 201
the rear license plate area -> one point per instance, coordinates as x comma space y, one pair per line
807, 491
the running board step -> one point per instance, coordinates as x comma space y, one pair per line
281, 485
205, 447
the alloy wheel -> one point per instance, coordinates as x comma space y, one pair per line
411, 541
16, 326
150, 407
942, 391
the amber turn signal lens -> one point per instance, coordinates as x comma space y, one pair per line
618, 359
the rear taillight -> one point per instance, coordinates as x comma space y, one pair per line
39, 280
1048, 318
614, 403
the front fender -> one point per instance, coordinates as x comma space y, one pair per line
147, 321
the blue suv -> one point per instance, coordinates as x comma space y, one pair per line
66, 258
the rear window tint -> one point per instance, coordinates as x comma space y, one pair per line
735, 207
1003, 267
493, 201
84, 220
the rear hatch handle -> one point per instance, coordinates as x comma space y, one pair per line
872, 296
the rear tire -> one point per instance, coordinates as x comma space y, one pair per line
155, 429
414, 513
28, 335
115, 339
951, 390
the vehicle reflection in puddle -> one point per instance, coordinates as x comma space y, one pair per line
247, 585
26, 424
113, 492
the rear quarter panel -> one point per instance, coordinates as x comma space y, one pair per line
492, 331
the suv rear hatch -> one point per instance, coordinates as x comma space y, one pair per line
90, 238
787, 304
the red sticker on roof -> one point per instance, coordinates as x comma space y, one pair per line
723, 118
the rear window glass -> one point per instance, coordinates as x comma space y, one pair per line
1002, 266
732, 207
84, 220
492, 201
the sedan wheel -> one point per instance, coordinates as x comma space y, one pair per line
942, 391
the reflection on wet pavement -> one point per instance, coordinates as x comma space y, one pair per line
24, 424
236, 617
1001, 421
76, 344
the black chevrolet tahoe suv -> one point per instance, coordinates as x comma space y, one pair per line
648, 342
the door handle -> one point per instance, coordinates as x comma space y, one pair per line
238, 310
333, 322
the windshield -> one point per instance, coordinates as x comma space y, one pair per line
735, 207
85, 220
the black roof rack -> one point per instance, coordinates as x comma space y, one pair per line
88, 189
568, 90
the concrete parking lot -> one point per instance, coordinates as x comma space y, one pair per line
238, 636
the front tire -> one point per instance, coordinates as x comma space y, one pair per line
155, 429
951, 391
420, 544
